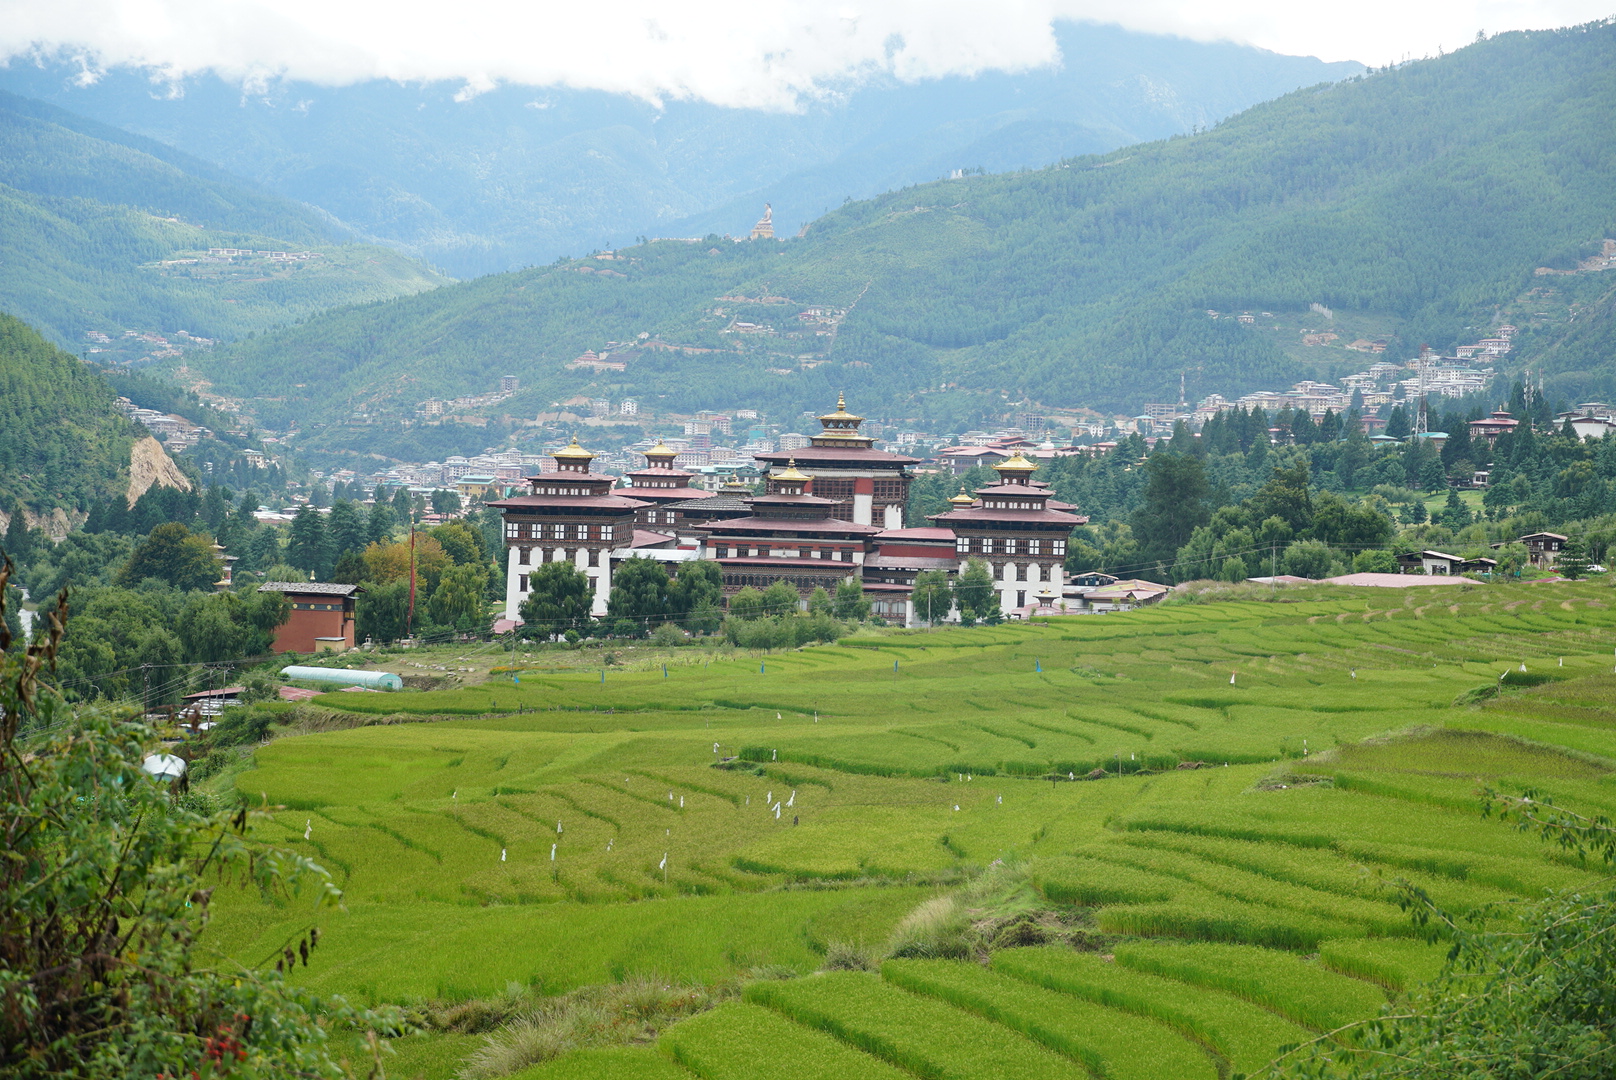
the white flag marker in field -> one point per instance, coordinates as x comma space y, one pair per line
501, 854
308, 827
552, 852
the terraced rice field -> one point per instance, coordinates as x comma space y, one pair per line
574, 830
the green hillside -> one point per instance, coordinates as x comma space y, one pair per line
914, 804
103, 231
1417, 199
62, 441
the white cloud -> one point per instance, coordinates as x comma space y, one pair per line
724, 51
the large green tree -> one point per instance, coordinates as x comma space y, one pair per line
174, 554
933, 595
639, 593
458, 599
1175, 503
559, 599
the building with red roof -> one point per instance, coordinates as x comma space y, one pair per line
568, 515
1018, 528
869, 486
790, 535
659, 485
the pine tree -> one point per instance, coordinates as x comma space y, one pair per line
307, 549
1573, 560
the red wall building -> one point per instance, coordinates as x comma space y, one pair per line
322, 616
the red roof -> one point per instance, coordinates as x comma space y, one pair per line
564, 475
573, 502
827, 455
677, 494
778, 499
229, 691
762, 524
747, 560
647, 538
917, 534
972, 515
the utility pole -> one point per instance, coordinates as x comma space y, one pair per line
409, 619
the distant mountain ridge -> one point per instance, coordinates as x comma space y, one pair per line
517, 176
101, 231
1420, 198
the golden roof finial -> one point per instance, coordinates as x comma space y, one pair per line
792, 473
1016, 464
573, 452
962, 499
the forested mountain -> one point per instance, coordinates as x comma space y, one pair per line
63, 443
104, 231
1422, 197
517, 176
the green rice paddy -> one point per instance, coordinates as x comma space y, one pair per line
1227, 865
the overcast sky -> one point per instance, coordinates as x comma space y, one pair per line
763, 53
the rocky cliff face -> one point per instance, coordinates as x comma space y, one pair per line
150, 464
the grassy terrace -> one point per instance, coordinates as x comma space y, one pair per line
1222, 911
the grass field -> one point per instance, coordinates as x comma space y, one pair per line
1227, 876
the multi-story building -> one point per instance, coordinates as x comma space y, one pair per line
788, 535
659, 485
1018, 528
568, 515
869, 486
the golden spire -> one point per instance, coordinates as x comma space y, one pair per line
661, 451
962, 499
792, 473
573, 452
1016, 468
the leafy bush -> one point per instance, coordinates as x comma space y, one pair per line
107, 886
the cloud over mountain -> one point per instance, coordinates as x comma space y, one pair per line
726, 52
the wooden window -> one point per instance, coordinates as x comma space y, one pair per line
521, 583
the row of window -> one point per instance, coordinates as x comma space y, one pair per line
1011, 504
724, 551
317, 607
1013, 545
763, 581
550, 489
592, 556
531, 530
